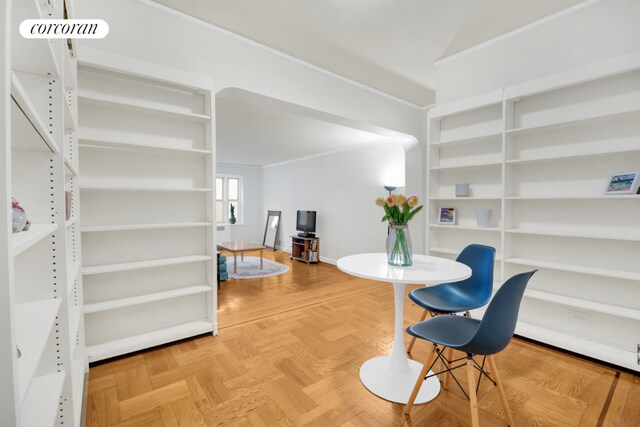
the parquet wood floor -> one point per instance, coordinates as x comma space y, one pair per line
288, 353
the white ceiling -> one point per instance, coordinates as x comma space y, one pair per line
390, 45
254, 130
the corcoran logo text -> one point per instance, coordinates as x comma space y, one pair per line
64, 28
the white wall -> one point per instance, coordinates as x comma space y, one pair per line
598, 31
250, 227
342, 188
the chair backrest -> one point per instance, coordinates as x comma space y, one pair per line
499, 321
480, 259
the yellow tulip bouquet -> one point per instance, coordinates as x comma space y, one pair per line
399, 210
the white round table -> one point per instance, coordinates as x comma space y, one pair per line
393, 377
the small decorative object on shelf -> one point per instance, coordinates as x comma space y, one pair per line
623, 183
399, 210
483, 217
19, 217
232, 210
447, 216
462, 190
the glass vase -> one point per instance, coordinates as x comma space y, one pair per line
399, 251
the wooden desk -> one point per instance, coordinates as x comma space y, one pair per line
241, 248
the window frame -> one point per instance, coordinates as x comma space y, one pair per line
225, 199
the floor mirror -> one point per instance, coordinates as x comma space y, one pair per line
271, 229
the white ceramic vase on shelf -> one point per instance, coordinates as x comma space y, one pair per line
483, 217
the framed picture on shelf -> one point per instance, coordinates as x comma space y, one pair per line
623, 183
447, 216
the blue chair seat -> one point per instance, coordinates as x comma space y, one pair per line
447, 298
449, 331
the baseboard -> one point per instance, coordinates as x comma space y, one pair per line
283, 248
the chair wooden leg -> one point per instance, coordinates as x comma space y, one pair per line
416, 388
500, 388
413, 339
447, 375
473, 399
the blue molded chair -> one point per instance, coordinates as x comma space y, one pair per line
458, 297
484, 337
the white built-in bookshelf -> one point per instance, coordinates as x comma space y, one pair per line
539, 155
44, 366
146, 152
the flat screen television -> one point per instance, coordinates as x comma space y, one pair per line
306, 223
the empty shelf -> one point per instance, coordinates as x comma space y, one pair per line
138, 106
136, 188
111, 268
604, 272
25, 239
137, 342
452, 251
573, 156
586, 234
464, 166
467, 140
98, 143
34, 321
143, 299
466, 198
569, 123
26, 120
40, 407
131, 227
464, 227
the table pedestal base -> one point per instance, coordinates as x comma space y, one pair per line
379, 379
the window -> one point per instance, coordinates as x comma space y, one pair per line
228, 194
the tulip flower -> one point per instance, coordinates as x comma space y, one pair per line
398, 209
391, 201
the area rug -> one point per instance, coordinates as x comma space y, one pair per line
250, 268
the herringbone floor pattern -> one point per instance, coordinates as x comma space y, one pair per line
288, 353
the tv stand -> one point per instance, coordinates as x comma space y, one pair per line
307, 235
305, 249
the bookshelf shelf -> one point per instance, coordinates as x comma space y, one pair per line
93, 142
464, 228
468, 139
137, 106
466, 166
143, 299
133, 227
36, 233
139, 265
107, 349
